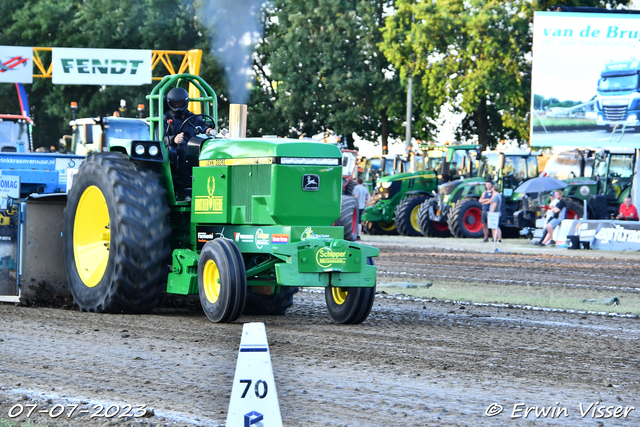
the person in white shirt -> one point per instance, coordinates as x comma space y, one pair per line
362, 196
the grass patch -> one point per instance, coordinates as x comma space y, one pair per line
542, 296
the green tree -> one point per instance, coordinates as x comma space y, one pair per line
126, 24
473, 55
320, 67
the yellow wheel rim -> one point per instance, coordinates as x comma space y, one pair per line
414, 218
211, 281
339, 296
91, 236
387, 226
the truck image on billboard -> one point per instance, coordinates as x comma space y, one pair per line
585, 80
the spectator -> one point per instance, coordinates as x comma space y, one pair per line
485, 200
362, 196
559, 212
496, 205
549, 215
628, 211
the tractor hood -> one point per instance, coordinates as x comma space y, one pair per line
269, 150
408, 175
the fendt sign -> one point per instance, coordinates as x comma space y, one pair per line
101, 66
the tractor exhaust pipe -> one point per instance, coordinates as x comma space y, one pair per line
237, 120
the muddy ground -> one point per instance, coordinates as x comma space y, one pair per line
412, 363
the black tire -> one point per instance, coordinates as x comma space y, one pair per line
348, 217
136, 252
380, 228
428, 227
465, 219
356, 306
573, 208
221, 262
406, 216
348, 189
271, 305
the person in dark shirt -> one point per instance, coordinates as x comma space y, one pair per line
559, 212
176, 138
485, 200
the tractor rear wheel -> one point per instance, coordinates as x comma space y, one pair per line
406, 217
465, 219
350, 305
222, 281
116, 236
348, 217
574, 210
428, 227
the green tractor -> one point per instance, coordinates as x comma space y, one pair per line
605, 188
458, 203
257, 225
394, 209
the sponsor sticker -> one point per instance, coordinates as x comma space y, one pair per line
204, 237
308, 234
244, 238
262, 238
326, 257
279, 238
210, 203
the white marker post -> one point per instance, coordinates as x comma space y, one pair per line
254, 401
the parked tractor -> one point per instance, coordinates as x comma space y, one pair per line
395, 208
15, 134
458, 200
601, 177
258, 223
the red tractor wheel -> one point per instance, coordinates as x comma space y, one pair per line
465, 219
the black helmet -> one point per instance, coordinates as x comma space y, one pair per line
178, 100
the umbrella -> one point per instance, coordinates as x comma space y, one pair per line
540, 185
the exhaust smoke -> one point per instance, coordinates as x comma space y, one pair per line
234, 28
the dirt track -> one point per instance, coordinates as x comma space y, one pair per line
411, 363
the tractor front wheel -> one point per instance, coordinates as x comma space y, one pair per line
407, 216
431, 228
350, 305
465, 219
116, 236
222, 281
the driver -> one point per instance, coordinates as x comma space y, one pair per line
177, 138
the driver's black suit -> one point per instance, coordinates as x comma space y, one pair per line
172, 124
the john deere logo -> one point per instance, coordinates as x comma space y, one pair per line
100, 66
210, 203
310, 182
211, 185
325, 257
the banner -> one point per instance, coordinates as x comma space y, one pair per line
609, 235
101, 66
585, 80
16, 64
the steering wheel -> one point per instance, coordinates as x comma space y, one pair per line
197, 129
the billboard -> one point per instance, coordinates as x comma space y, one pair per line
16, 64
101, 66
585, 80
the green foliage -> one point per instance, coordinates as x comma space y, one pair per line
126, 24
473, 55
319, 67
